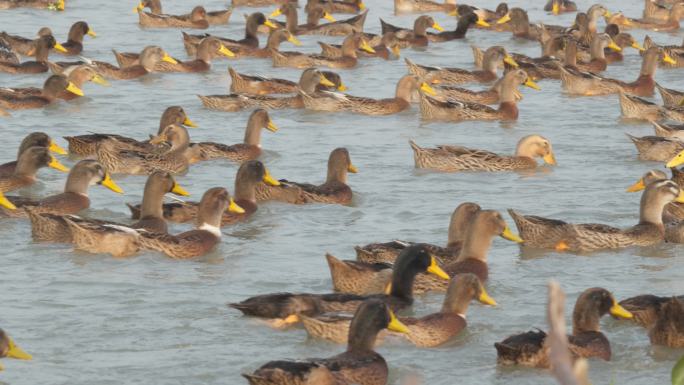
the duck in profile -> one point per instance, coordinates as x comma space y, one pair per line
9, 349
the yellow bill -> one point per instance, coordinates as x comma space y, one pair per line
531, 84
329, 17
620, 311
178, 190
427, 89
676, 161
325, 82
275, 13
638, 186
508, 234
97, 79
636, 45
438, 27
395, 325
268, 179
56, 148
505, 19
225, 51
4, 202
342, 87
169, 59
550, 158
234, 208
352, 169
189, 123
614, 46
556, 8
485, 298
60, 5
60, 48
366, 47
271, 126
109, 183
292, 39
436, 270
362, 6
139, 7
270, 24
16, 352
668, 59
482, 23
453, 13
608, 14
510, 61
74, 90
54, 163
680, 197
91, 33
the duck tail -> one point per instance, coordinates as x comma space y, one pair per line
517, 218
234, 75
414, 146
135, 211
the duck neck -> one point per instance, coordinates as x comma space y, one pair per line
571, 54
456, 301
491, 61
349, 47
402, 283
462, 26
405, 88
274, 40
251, 29
508, 91
155, 6
203, 53
585, 320
76, 34
244, 190
651, 209
596, 50
649, 63
77, 184
292, 21
420, 28
26, 167
42, 51
253, 133
477, 244
151, 206
336, 173
361, 338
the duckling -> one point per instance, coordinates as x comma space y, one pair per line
308, 82
149, 57
213, 17
42, 49
531, 348
334, 190
259, 85
23, 45
416, 37
196, 19
560, 6
546, 233
431, 108
426, 332
418, 6
53, 5
464, 23
359, 364
74, 43
407, 86
456, 158
671, 24
34, 139
285, 308
208, 48
10, 349
76, 75
349, 57
28, 164
75, 196
52, 89
437, 75
250, 148
337, 6
248, 175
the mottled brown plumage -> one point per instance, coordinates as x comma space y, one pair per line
34, 139
196, 19
28, 164
40, 64
493, 56
349, 57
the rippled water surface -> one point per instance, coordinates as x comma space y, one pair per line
150, 320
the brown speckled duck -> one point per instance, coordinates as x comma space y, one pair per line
646, 308
338, 6
333, 28
53, 87
259, 85
213, 17
28, 163
416, 37
418, 6
9, 349
22, 45
349, 57
76, 75
197, 19
53, 5
42, 50
34, 139
249, 41
493, 56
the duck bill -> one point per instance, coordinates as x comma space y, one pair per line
178, 190
638, 186
508, 234
235, 208
270, 24
60, 5
329, 17
189, 123
550, 158
486, 299
325, 82
275, 13
91, 33
352, 169
556, 9
510, 61
4, 202
60, 48
362, 6
676, 161
395, 325
97, 79
607, 14
636, 45
292, 39
436, 270
139, 7
530, 83
17, 353
57, 149
109, 183
483, 23
269, 180
226, 52
614, 46
54, 163
505, 19
668, 59
396, 50
620, 312
271, 126
427, 89
74, 90
437, 27
366, 47
680, 197
342, 87
169, 59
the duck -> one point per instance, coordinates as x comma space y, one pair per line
547, 233
420, 6
52, 89
75, 196
28, 163
213, 17
22, 45
249, 41
676, 52
309, 80
289, 10
416, 37
622, 40
668, 130
656, 10
9, 349
671, 24
465, 22
671, 97
438, 75
598, 61
42, 50
34, 139
519, 24
457, 158
673, 213
560, 6
531, 348
387, 47
454, 110
349, 57
430, 331
259, 85
334, 27
275, 38
283, 309
590, 84
248, 175
646, 308
149, 57
492, 95
334, 190
485, 15
655, 148
250, 148
359, 364
386, 253
259, 3
634, 107
668, 329
197, 19
74, 43
338, 6
407, 86
52, 5
76, 75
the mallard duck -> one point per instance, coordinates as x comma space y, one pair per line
42, 50
250, 148
437, 75
337, 6
285, 308
676, 52
334, 27
75, 196
485, 15
673, 213
416, 37
249, 41
588, 84
668, 329
334, 190
207, 49
384, 253
520, 25
276, 37
149, 57
456, 158
53, 5
546, 233
431, 108
248, 175
76, 75
418, 6
10, 349
671, 97
426, 332
464, 23
622, 40
488, 96
259, 85
668, 130
407, 87
634, 107
196, 19
74, 43
598, 61
34, 139
387, 47
655, 10
646, 308
359, 364
560, 6
531, 348
308, 82
213, 17
23, 45
670, 24
655, 148
289, 10
349, 58
52, 89
28, 164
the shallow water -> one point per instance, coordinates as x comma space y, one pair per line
93, 319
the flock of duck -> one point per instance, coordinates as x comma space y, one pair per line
382, 281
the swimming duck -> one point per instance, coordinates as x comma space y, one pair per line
275, 38
259, 85
42, 50
76, 75
337, 6
196, 19
457, 158
289, 10
248, 175
74, 43
249, 149
426, 332
149, 57
308, 82
334, 27
285, 308
207, 49
387, 47
349, 57
520, 25
656, 10
488, 96
52, 89
598, 61
334, 190
676, 52
407, 87
416, 37
22, 45
671, 24
75, 196
668, 130
52, 5
359, 364
213, 17
437, 75
586, 340
671, 97
431, 108
416, 6
634, 107
249, 41
10, 349
673, 213
646, 308
668, 329
655, 148
464, 23
560, 6
28, 164
546, 233
34, 139
485, 15
622, 40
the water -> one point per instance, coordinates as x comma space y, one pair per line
94, 319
